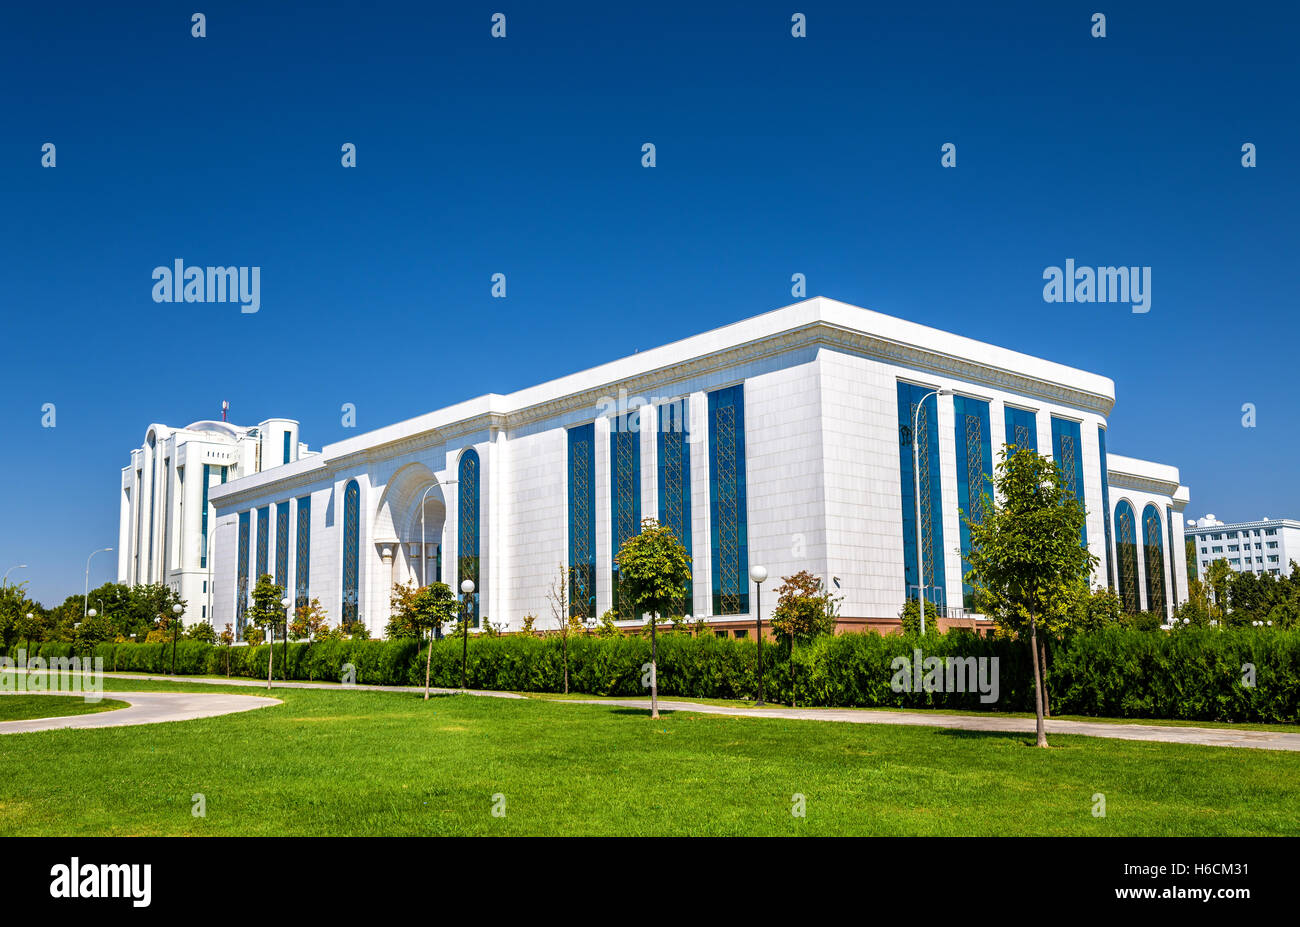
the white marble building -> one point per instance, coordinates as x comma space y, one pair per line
167, 519
782, 440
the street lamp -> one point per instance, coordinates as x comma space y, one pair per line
758, 574
176, 622
916, 477
85, 604
20, 566
284, 661
466, 587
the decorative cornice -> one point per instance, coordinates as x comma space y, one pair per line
662, 379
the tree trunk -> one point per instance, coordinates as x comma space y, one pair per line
1038, 684
428, 659
565, 646
270, 659
654, 674
1042, 658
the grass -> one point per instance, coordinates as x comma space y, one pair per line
24, 707
357, 763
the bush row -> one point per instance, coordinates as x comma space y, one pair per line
1187, 675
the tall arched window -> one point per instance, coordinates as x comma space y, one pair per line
241, 574
625, 496
351, 548
1154, 550
1127, 558
467, 519
302, 571
1105, 507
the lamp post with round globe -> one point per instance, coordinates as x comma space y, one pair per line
916, 489
85, 604
758, 574
466, 587
284, 660
177, 610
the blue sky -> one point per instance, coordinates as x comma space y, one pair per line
522, 156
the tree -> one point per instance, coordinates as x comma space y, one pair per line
308, 622
654, 569
805, 609
1217, 577
401, 602
226, 640
566, 622
93, 629
1099, 608
14, 606
31, 625
201, 631
1026, 563
909, 617
266, 611
431, 607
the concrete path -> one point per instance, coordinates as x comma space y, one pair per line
280, 684
1206, 736
145, 708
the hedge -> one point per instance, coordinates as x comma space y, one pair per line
1189, 674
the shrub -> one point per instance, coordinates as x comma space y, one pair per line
1195, 674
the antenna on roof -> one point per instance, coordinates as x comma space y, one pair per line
225, 407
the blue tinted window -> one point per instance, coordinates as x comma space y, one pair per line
924, 417
263, 542
302, 568
974, 473
203, 541
1105, 505
1022, 428
282, 546
582, 521
1067, 451
1126, 559
241, 576
728, 500
625, 495
468, 497
351, 549
286, 447
674, 443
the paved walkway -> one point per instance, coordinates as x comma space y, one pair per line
280, 684
1205, 736
146, 708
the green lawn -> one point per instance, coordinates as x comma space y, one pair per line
350, 762
22, 707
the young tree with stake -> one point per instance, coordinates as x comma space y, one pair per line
1027, 564
654, 569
